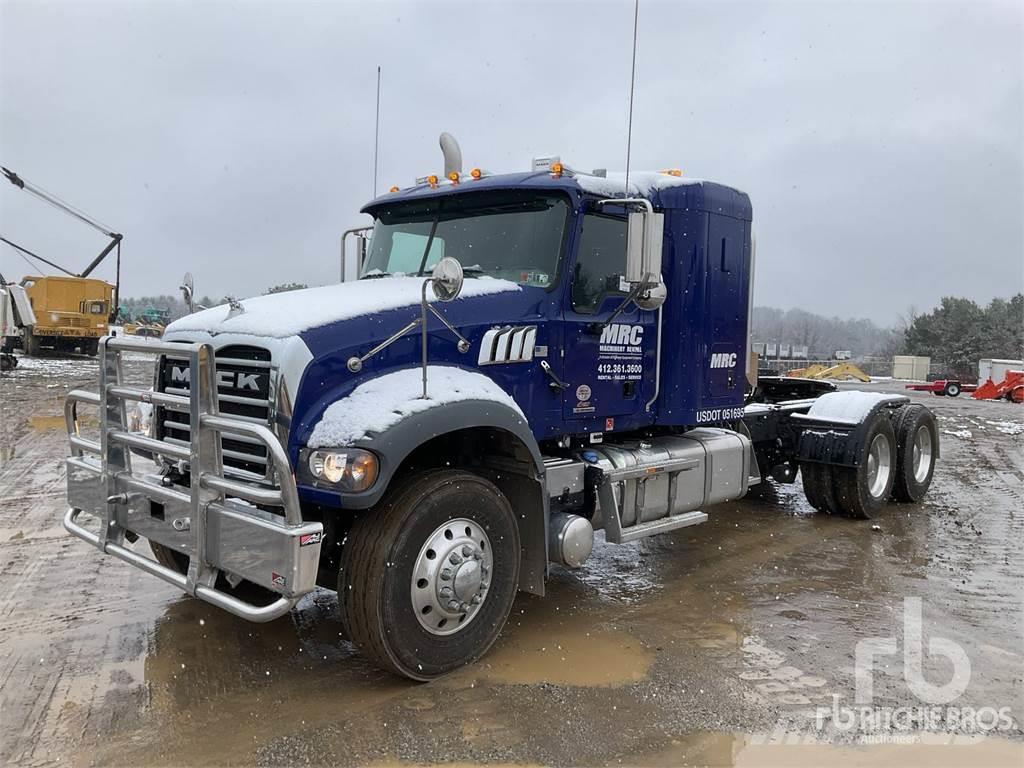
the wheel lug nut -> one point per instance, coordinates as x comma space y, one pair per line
455, 559
464, 607
483, 585
477, 556
446, 574
453, 605
446, 592
467, 550
476, 600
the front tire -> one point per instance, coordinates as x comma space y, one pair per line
428, 576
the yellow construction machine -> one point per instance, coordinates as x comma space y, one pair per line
841, 372
72, 311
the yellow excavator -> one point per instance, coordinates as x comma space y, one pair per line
71, 311
840, 372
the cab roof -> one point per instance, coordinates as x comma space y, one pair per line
663, 190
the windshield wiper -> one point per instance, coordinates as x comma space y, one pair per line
372, 275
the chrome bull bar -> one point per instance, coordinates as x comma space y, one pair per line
215, 520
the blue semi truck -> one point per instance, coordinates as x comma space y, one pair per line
520, 360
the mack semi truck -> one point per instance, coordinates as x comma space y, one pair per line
518, 361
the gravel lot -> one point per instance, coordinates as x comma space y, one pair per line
713, 645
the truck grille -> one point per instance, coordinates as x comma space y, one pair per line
244, 390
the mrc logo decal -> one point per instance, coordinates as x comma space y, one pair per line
723, 360
622, 335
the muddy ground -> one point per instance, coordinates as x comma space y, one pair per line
712, 645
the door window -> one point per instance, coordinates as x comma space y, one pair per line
600, 262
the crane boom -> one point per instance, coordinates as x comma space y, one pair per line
56, 202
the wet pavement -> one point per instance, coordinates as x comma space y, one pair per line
713, 645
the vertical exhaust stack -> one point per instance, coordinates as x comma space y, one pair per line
452, 154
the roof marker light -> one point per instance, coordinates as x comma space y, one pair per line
432, 181
393, 189
673, 172
556, 169
476, 173
453, 177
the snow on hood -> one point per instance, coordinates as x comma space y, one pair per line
380, 403
287, 314
641, 183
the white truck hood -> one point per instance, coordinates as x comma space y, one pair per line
281, 315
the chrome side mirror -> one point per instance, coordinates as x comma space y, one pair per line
447, 279
643, 245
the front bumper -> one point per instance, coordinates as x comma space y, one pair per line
215, 520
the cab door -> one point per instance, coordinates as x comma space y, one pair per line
606, 360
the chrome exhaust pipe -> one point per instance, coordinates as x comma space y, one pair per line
452, 154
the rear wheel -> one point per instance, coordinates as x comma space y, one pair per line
819, 487
428, 577
952, 389
917, 444
861, 491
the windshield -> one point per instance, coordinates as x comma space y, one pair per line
515, 236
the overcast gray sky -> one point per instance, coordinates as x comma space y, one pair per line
881, 143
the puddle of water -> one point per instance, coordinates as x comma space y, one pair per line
565, 656
45, 423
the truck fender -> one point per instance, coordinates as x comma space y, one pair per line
521, 481
833, 431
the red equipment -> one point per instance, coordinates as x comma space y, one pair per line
950, 387
1011, 388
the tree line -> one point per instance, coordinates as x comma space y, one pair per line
958, 333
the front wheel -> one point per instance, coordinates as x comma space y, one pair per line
428, 576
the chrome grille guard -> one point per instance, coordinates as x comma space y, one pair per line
214, 521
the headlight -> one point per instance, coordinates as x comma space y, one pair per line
350, 469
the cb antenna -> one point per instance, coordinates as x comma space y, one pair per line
376, 134
632, 84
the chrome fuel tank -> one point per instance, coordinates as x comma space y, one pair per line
671, 475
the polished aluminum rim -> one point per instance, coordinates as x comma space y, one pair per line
922, 454
451, 577
879, 466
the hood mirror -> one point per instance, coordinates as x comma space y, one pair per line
187, 292
447, 278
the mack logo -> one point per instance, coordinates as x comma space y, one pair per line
225, 379
631, 335
723, 360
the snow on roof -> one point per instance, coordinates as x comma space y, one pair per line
383, 402
641, 183
286, 314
